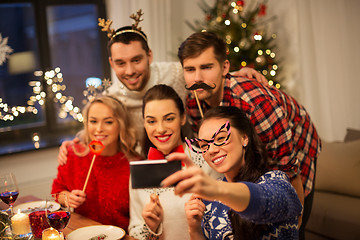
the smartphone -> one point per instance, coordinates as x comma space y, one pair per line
150, 173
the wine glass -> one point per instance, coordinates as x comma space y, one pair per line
9, 190
57, 218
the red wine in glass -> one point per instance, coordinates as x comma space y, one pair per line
9, 190
9, 197
59, 219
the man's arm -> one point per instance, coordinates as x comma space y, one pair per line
62, 157
251, 73
273, 128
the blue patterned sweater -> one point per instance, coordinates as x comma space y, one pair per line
273, 202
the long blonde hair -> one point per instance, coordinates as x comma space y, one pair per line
127, 133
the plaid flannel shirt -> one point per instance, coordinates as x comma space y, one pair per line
282, 124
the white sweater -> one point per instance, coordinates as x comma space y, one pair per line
174, 225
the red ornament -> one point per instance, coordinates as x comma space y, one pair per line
262, 11
223, 15
208, 17
240, 3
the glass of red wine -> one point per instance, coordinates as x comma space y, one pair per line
58, 218
9, 190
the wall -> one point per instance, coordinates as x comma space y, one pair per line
34, 170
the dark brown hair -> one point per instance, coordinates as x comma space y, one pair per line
160, 92
256, 164
197, 43
128, 37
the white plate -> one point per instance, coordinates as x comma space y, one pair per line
35, 206
86, 233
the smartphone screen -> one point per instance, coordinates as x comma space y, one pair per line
150, 173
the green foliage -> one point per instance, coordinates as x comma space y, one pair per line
4, 221
239, 25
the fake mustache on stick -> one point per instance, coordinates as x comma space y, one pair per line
200, 85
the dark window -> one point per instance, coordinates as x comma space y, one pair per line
57, 46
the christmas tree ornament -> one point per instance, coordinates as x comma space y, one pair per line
5, 50
244, 44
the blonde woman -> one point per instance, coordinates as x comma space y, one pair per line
106, 197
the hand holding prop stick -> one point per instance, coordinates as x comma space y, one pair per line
96, 152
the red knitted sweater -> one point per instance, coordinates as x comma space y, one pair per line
107, 190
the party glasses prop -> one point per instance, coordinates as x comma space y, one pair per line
9, 190
219, 138
38, 223
59, 218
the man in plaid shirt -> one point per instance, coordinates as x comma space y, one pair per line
283, 125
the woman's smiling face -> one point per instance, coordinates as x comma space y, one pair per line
229, 157
104, 127
162, 122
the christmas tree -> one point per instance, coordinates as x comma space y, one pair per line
244, 30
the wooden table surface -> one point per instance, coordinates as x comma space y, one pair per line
76, 220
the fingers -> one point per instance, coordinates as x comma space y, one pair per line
155, 199
153, 212
176, 177
180, 157
195, 208
195, 203
190, 180
156, 217
62, 157
76, 198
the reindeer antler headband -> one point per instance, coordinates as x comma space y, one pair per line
135, 29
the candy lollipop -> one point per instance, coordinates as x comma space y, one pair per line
96, 147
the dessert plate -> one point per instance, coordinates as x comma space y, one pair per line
97, 232
35, 206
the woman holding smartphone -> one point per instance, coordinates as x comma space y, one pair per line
252, 202
158, 213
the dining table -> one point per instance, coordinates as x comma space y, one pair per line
76, 220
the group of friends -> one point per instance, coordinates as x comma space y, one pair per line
249, 157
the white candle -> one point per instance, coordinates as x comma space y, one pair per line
20, 224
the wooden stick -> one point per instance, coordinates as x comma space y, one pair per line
198, 103
88, 174
186, 139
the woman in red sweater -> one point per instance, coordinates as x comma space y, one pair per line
106, 197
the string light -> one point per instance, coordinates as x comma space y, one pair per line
257, 37
53, 78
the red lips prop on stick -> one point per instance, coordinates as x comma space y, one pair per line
96, 147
